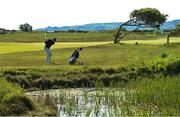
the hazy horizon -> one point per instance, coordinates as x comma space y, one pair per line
43, 13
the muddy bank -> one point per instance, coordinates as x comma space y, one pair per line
33, 79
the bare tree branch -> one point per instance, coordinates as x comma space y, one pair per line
129, 32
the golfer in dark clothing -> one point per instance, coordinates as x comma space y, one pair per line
75, 56
48, 44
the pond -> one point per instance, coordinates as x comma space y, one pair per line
80, 102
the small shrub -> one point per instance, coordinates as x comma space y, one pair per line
164, 55
143, 71
136, 43
166, 65
19, 105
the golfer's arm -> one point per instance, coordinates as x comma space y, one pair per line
45, 40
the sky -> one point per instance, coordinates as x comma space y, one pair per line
43, 13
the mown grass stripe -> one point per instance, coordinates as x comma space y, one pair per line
27, 47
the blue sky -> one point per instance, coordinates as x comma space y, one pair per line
43, 13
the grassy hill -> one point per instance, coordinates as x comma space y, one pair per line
76, 37
148, 72
94, 53
106, 26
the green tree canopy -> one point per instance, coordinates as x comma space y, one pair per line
149, 17
25, 27
142, 18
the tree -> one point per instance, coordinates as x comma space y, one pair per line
25, 27
174, 32
5, 31
142, 18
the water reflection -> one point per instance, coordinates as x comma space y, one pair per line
83, 102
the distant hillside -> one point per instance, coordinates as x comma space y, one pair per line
104, 26
4, 31
170, 24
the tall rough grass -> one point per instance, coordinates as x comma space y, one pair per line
7, 90
157, 97
12, 101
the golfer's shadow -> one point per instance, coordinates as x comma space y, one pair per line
55, 64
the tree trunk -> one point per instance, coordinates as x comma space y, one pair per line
168, 38
118, 35
116, 38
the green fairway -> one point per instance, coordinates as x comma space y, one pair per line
153, 42
10, 47
94, 54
